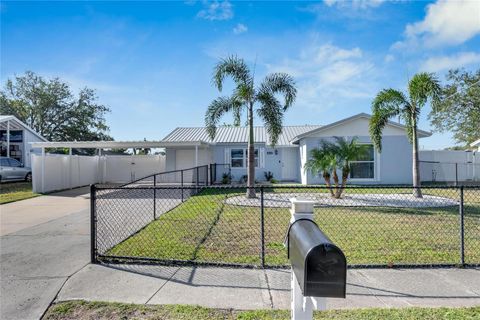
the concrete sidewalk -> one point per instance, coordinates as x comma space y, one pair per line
268, 289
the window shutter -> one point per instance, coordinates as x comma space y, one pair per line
262, 157
227, 155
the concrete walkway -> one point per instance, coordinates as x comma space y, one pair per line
267, 289
43, 252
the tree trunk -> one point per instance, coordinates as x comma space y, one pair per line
326, 177
335, 180
251, 155
417, 192
339, 192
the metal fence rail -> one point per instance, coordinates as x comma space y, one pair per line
376, 226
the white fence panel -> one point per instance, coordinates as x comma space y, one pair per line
64, 171
449, 165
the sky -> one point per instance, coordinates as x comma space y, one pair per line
152, 62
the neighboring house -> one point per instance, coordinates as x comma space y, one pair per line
287, 158
475, 144
15, 138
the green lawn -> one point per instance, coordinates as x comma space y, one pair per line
81, 310
205, 229
15, 191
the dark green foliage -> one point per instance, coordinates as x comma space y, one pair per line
49, 107
268, 176
459, 108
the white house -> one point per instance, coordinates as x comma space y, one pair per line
287, 158
475, 144
16, 137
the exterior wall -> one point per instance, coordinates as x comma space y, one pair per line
27, 149
272, 161
392, 166
170, 158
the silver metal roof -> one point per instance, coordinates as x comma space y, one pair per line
236, 134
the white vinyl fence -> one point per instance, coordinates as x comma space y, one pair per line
65, 172
449, 166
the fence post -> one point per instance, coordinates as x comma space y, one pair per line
93, 225
154, 197
461, 213
181, 182
456, 174
262, 226
196, 179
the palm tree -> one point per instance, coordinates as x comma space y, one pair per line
331, 157
346, 152
247, 96
322, 162
391, 103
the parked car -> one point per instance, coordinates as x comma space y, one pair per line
12, 169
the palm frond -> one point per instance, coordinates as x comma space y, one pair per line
424, 86
271, 112
233, 67
280, 83
217, 109
386, 105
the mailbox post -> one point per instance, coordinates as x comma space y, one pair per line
318, 266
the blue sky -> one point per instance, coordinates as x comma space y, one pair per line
151, 62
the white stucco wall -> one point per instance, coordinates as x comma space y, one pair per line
392, 166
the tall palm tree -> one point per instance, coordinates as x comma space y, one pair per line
391, 103
247, 96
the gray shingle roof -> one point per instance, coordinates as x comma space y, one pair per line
236, 134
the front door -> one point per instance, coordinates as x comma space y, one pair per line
289, 164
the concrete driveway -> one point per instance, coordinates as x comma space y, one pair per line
44, 241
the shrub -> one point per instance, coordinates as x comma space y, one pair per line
226, 178
268, 176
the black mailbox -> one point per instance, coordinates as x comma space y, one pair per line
319, 265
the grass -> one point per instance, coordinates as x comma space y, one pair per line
15, 191
205, 229
82, 310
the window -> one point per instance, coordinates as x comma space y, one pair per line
14, 163
239, 158
364, 166
4, 162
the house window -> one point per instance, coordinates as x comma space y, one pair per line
239, 158
364, 166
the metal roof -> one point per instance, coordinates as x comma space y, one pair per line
236, 134
16, 124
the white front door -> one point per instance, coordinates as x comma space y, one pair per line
289, 164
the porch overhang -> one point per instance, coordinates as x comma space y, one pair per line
116, 144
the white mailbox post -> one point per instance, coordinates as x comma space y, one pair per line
302, 307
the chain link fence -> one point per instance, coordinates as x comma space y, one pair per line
375, 226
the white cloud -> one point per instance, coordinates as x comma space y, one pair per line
446, 23
216, 10
440, 63
389, 58
326, 74
361, 4
240, 28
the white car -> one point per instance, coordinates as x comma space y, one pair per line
12, 169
